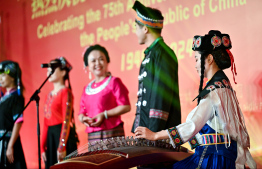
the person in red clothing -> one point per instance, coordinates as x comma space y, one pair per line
58, 136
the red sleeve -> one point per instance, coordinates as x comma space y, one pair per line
121, 92
67, 108
44, 137
44, 133
82, 109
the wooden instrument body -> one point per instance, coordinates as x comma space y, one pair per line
126, 156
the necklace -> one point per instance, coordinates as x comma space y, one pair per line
90, 91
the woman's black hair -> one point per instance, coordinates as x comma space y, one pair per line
221, 58
15, 72
95, 47
66, 77
203, 57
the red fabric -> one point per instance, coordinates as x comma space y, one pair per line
58, 110
233, 66
114, 94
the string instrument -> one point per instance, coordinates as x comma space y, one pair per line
121, 153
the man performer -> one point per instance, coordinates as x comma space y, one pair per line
158, 105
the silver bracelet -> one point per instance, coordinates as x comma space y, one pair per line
105, 113
82, 119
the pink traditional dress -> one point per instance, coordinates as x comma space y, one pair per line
98, 97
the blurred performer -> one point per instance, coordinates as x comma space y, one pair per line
11, 105
59, 137
158, 105
216, 127
104, 99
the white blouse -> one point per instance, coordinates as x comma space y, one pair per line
229, 121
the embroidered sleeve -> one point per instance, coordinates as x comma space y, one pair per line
67, 103
175, 137
194, 123
194, 142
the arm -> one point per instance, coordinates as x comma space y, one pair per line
143, 132
185, 131
10, 147
122, 100
82, 112
117, 111
18, 107
44, 137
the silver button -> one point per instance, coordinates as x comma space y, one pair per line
139, 103
144, 103
144, 90
145, 74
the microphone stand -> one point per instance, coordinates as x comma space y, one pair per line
36, 98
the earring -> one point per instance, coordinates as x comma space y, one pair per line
90, 75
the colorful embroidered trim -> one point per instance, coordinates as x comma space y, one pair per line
216, 41
226, 83
153, 23
15, 116
211, 139
225, 41
196, 42
66, 124
219, 84
8, 134
47, 107
211, 87
193, 143
159, 114
173, 132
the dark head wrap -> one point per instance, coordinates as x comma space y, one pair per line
95, 47
148, 16
12, 69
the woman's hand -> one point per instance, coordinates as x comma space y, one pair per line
10, 154
43, 155
61, 155
87, 121
143, 132
97, 120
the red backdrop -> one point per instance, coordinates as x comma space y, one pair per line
35, 31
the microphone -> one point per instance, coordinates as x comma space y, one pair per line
52, 65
